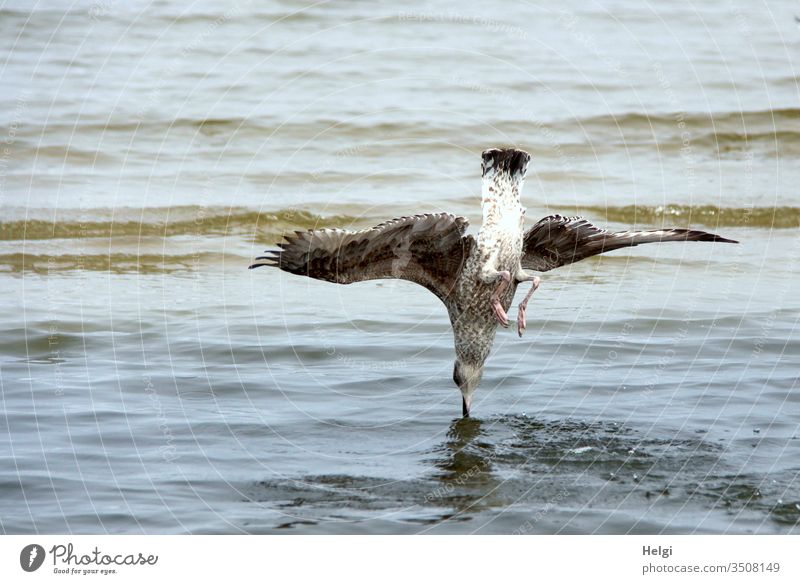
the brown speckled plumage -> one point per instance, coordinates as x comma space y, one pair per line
433, 250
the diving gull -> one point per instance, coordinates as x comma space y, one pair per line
475, 278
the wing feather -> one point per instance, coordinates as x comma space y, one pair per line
557, 241
428, 249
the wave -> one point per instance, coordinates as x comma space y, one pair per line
171, 221
776, 130
683, 120
782, 124
134, 123
216, 19
201, 221
110, 11
707, 215
731, 141
115, 263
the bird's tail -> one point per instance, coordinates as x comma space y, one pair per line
507, 161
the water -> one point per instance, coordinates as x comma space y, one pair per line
152, 384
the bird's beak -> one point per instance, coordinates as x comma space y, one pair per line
465, 403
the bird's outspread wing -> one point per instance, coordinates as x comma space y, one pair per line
429, 250
557, 241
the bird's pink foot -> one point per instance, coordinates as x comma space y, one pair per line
497, 307
499, 313
524, 305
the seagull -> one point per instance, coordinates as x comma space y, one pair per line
475, 278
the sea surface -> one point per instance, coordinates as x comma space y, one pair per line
150, 383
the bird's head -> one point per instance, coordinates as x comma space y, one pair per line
467, 377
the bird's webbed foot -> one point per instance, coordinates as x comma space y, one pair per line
524, 304
504, 279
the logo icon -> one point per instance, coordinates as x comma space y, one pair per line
31, 557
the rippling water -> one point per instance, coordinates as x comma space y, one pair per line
151, 383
